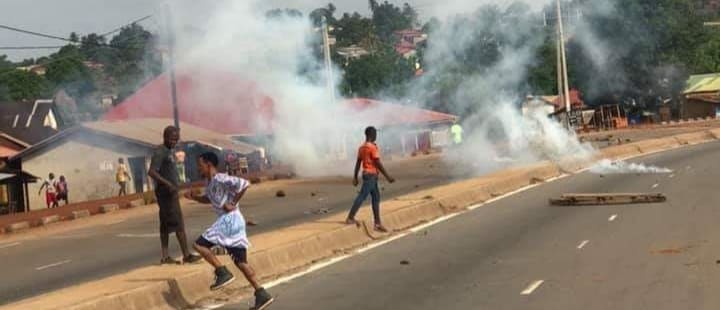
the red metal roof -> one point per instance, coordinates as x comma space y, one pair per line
218, 101
225, 103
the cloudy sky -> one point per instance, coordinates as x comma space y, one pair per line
60, 18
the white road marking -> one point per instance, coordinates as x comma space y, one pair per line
383, 242
655, 185
431, 223
53, 265
9, 245
612, 217
154, 235
532, 287
583, 244
473, 207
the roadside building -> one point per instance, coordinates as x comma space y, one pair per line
701, 98
30, 121
87, 156
230, 105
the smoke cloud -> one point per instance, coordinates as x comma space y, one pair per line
278, 55
607, 166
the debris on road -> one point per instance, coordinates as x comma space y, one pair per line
606, 199
280, 193
429, 197
404, 262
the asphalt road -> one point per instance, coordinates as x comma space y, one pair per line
36, 265
521, 253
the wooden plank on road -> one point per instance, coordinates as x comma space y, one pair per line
591, 199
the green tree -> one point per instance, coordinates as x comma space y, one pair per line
328, 12
380, 73
67, 71
355, 30
389, 18
22, 85
136, 60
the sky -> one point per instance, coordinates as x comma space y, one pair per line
60, 18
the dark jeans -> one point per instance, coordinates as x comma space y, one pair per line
369, 187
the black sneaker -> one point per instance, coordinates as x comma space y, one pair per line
262, 299
169, 261
192, 258
223, 277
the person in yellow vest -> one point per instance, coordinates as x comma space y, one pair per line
122, 176
457, 133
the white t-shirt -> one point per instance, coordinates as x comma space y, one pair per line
229, 228
50, 186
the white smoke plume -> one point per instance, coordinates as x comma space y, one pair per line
607, 166
238, 38
498, 134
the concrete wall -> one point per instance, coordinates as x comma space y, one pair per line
88, 162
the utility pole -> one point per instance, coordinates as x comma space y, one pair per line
328, 62
171, 64
565, 91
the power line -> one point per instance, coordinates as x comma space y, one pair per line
50, 36
34, 33
128, 24
30, 47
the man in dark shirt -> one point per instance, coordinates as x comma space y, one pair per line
163, 170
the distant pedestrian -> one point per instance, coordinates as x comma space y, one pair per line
164, 171
369, 158
62, 190
122, 176
50, 186
457, 133
224, 192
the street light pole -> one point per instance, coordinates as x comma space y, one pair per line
171, 63
328, 61
565, 92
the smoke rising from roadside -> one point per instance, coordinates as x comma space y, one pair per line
489, 97
607, 166
277, 55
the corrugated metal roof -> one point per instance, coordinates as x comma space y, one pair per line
149, 131
704, 83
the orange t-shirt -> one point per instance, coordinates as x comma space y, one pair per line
368, 153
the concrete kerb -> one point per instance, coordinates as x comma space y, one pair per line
109, 208
695, 137
19, 226
80, 214
47, 220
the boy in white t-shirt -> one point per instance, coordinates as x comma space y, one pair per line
224, 192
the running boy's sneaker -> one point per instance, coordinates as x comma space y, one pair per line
262, 299
223, 277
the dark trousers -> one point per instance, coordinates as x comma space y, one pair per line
369, 187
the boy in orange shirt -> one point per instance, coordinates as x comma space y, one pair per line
369, 159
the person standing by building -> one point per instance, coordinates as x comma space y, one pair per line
369, 158
62, 190
122, 176
457, 134
50, 186
164, 171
